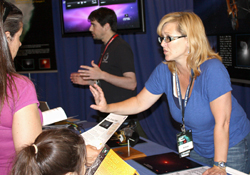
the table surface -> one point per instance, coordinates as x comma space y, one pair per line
149, 148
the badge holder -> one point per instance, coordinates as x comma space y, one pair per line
184, 142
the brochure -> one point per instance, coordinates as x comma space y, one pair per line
53, 115
109, 163
101, 133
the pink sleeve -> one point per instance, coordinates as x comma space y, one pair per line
27, 95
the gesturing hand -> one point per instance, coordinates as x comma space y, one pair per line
100, 100
77, 79
93, 73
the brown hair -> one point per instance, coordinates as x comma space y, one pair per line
11, 21
103, 16
189, 24
55, 151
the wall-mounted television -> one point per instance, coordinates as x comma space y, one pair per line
228, 28
74, 15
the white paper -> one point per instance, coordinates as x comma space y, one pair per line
101, 133
193, 171
234, 171
53, 115
200, 170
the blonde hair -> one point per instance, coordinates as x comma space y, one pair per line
189, 24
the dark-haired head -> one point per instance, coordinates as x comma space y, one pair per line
55, 151
104, 15
11, 22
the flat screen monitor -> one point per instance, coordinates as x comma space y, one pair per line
74, 15
228, 28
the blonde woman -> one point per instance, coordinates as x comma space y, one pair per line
198, 89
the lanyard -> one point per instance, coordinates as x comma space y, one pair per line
113, 37
185, 99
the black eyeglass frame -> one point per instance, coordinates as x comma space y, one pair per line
170, 38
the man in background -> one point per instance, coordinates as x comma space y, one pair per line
115, 71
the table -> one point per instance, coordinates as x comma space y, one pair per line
151, 148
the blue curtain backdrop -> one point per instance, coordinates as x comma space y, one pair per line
57, 90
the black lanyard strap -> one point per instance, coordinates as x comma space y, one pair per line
185, 99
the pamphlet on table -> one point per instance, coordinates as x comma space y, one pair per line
101, 133
109, 163
53, 115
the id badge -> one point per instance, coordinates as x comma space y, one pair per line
185, 143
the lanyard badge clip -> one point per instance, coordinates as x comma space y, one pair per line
184, 138
183, 128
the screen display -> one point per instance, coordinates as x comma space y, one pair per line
167, 163
227, 26
74, 15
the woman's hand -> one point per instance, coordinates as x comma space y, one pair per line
92, 153
215, 171
101, 104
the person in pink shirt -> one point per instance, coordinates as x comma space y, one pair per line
20, 117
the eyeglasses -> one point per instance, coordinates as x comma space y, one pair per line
168, 39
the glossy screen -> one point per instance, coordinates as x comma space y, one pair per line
74, 15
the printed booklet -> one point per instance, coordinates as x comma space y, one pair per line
107, 162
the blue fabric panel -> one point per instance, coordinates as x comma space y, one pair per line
57, 89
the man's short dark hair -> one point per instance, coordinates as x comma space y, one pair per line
104, 15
